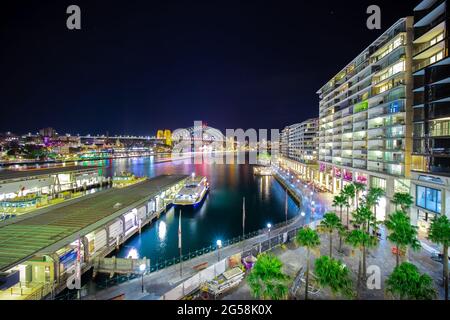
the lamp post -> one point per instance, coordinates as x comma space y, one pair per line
268, 234
219, 245
142, 268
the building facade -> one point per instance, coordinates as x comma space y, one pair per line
365, 118
299, 148
431, 139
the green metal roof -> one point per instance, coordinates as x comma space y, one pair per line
49, 229
7, 174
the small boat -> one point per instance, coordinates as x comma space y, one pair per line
193, 192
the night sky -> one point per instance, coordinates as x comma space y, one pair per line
139, 66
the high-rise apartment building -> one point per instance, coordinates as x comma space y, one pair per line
299, 147
431, 138
365, 118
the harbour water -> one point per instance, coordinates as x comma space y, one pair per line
219, 216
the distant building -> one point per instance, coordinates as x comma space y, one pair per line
299, 148
164, 136
299, 142
48, 132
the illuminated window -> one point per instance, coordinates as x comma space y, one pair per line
437, 57
377, 183
428, 198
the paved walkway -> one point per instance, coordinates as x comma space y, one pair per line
295, 257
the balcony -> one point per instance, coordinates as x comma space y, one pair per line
426, 20
426, 49
391, 169
421, 64
336, 153
359, 145
376, 145
347, 162
387, 109
360, 164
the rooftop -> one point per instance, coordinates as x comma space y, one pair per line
49, 229
7, 174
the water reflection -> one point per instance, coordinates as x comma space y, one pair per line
220, 214
162, 231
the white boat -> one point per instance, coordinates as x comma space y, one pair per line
193, 192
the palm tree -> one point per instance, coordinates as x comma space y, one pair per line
339, 201
349, 191
365, 218
334, 274
440, 233
360, 240
373, 198
402, 233
329, 224
407, 282
309, 239
404, 200
266, 280
359, 187
347, 205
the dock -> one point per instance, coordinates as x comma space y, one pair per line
44, 245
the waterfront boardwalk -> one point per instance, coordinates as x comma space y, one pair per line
47, 230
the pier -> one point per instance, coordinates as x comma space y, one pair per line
39, 250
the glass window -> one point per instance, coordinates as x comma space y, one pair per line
420, 197
377, 183
428, 198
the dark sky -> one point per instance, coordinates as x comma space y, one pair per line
139, 66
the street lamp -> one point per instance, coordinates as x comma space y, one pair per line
142, 268
219, 245
268, 234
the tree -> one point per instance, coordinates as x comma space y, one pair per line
359, 187
339, 201
358, 239
440, 233
364, 217
347, 205
266, 280
349, 193
373, 198
333, 274
329, 224
406, 282
402, 233
404, 200
308, 238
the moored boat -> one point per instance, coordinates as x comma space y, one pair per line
193, 191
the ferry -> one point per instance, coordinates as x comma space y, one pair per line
193, 191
